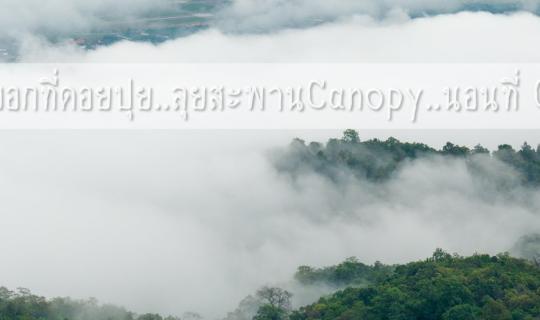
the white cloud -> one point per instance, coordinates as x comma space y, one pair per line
176, 221
66, 17
463, 37
264, 15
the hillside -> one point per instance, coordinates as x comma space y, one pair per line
441, 287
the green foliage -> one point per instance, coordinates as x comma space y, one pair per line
454, 150
269, 312
351, 272
462, 312
350, 136
378, 160
275, 297
276, 304
23, 305
447, 287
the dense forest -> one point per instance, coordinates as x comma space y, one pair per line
378, 160
442, 287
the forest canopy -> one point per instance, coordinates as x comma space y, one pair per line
443, 286
378, 160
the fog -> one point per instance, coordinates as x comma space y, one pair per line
174, 221
285, 31
463, 37
52, 18
270, 15
169, 222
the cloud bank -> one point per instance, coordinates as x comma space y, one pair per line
62, 17
463, 37
195, 221
269, 15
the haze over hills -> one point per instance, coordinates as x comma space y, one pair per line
169, 19
441, 287
159, 224
213, 224
88, 27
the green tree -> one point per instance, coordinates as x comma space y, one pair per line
462, 312
479, 149
350, 136
270, 312
275, 297
455, 150
495, 310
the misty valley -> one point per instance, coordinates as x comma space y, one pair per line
351, 185
115, 210
443, 286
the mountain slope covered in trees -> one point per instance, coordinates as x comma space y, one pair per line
442, 287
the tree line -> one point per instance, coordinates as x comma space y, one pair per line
378, 160
442, 287
22, 304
